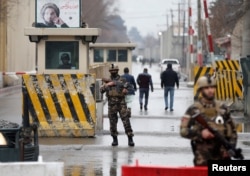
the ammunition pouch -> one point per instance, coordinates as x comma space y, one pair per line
113, 92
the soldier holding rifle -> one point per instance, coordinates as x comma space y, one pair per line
209, 126
116, 88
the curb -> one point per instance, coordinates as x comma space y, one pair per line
190, 84
10, 90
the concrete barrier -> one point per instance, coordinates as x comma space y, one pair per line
100, 70
164, 171
39, 168
61, 104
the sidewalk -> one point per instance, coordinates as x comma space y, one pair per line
10, 90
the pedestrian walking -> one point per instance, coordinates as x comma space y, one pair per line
205, 141
168, 80
144, 80
116, 88
131, 90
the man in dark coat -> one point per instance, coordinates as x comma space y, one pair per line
144, 80
131, 90
168, 80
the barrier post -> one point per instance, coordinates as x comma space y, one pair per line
99, 106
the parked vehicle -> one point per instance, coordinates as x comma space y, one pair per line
175, 65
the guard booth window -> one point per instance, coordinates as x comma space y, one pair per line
122, 55
117, 55
111, 55
62, 55
98, 55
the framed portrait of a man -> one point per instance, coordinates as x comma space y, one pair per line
58, 13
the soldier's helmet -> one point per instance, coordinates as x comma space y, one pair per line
113, 67
206, 81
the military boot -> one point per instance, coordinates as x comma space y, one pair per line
115, 141
130, 141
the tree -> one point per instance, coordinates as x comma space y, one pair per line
246, 30
149, 42
224, 17
221, 12
134, 35
102, 14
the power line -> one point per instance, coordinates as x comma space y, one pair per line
141, 17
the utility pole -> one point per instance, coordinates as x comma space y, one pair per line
199, 19
183, 40
172, 17
199, 35
179, 19
167, 20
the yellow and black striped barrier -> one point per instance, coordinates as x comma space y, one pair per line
198, 72
227, 65
228, 78
229, 85
61, 104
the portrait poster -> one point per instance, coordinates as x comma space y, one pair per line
58, 13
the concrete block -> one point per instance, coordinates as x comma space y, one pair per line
39, 168
190, 84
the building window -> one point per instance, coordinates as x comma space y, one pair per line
98, 55
117, 55
122, 55
111, 55
62, 55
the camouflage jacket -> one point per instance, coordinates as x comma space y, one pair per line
116, 90
217, 116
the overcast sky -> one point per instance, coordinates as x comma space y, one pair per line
150, 16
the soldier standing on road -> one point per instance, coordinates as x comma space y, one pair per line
144, 80
168, 80
116, 89
204, 144
131, 90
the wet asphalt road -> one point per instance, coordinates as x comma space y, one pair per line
157, 140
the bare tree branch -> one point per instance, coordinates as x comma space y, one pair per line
103, 14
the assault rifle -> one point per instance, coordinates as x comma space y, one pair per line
232, 151
118, 84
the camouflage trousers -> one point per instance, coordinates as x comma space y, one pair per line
115, 107
208, 151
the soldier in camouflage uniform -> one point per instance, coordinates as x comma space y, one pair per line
204, 145
116, 89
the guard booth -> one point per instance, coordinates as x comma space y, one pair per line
61, 94
60, 97
119, 53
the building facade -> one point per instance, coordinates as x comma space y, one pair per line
17, 53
